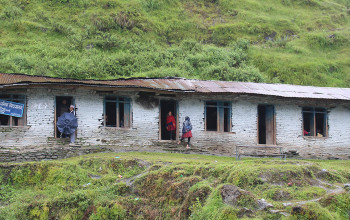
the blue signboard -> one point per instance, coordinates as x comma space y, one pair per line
11, 108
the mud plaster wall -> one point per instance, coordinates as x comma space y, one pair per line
145, 121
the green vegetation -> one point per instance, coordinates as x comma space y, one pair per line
289, 41
139, 185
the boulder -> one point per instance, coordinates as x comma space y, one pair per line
263, 204
230, 194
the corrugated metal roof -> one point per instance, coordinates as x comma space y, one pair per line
189, 85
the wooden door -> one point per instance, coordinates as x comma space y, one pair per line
270, 124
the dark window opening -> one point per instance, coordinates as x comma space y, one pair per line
218, 116
320, 125
308, 124
314, 122
165, 107
226, 120
6, 120
117, 112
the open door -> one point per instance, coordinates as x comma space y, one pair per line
62, 104
165, 107
266, 125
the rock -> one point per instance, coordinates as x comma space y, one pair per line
285, 214
271, 36
245, 212
282, 212
263, 205
287, 204
96, 177
347, 186
323, 174
230, 194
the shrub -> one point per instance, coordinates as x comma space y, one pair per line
106, 41
12, 12
114, 212
326, 40
338, 203
313, 211
61, 28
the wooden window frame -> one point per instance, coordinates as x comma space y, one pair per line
117, 101
220, 105
24, 115
314, 112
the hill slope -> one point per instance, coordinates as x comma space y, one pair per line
290, 41
139, 185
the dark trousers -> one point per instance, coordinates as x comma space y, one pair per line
188, 140
172, 135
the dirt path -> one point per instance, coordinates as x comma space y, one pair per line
337, 190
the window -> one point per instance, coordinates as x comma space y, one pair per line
6, 120
218, 116
315, 122
117, 112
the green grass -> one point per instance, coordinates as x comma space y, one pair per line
291, 41
169, 185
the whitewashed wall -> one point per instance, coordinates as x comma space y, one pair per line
145, 124
289, 132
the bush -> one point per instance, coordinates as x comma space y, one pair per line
313, 211
61, 28
326, 40
114, 212
12, 12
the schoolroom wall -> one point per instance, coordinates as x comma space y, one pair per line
144, 131
39, 130
289, 125
335, 145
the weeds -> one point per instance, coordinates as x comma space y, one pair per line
176, 185
110, 39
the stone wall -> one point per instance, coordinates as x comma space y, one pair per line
144, 132
51, 153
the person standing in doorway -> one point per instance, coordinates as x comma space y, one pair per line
171, 125
186, 131
72, 136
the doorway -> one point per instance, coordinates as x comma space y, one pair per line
266, 124
62, 104
165, 107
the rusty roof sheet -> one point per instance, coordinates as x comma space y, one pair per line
188, 85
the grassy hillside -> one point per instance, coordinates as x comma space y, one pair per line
174, 186
290, 41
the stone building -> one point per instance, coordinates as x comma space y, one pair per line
311, 121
